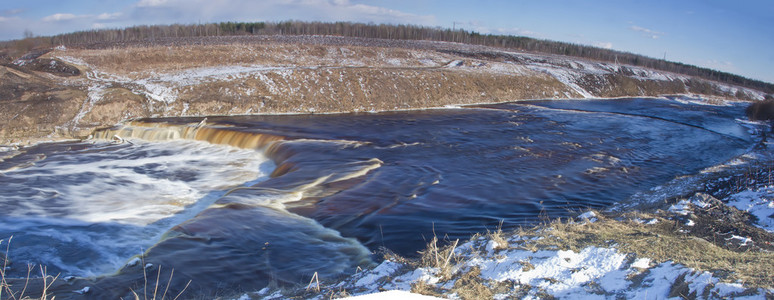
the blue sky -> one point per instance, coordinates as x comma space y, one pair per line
735, 36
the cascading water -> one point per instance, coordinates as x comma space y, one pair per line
83, 209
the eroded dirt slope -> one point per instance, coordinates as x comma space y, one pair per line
67, 93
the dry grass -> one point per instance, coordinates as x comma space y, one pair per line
441, 258
19, 293
469, 285
9, 291
424, 288
138, 61
321, 78
660, 242
155, 294
343, 78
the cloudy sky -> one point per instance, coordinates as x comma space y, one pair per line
735, 36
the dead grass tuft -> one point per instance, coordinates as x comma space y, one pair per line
441, 258
498, 238
155, 294
424, 288
19, 293
470, 285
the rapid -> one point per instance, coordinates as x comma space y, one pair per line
243, 202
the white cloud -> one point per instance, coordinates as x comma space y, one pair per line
376, 11
12, 12
606, 45
720, 65
518, 31
474, 25
191, 11
480, 27
60, 17
647, 32
108, 16
152, 3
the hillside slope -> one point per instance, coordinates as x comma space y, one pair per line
69, 92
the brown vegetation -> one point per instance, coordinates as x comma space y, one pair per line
381, 31
763, 110
67, 93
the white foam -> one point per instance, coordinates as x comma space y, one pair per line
113, 201
123, 188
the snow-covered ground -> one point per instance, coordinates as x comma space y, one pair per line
164, 86
394, 294
591, 273
759, 203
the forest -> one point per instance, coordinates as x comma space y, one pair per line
374, 31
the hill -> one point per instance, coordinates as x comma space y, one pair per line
100, 78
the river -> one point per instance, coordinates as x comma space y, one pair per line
249, 201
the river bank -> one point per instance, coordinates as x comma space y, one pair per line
65, 93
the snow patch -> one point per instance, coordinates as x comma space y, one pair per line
455, 63
558, 272
592, 272
589, 215
95, 94
641, 263
681, 208
567, 77
370, 280
759, 203
135, 261
396, 294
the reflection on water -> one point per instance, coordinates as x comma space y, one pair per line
344, 184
